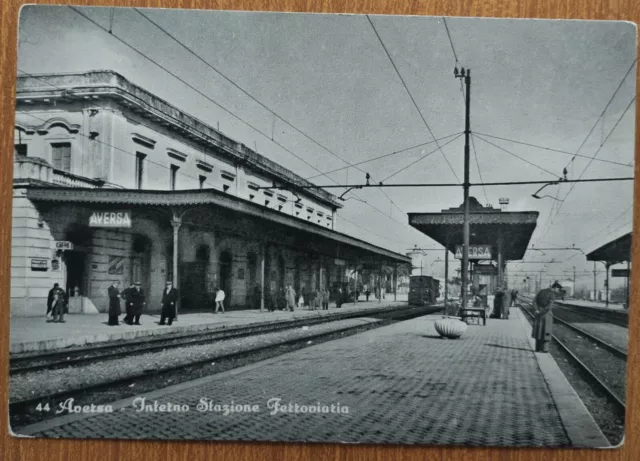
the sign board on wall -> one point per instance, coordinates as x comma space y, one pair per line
475, 251
39, 264
620, 272
339, 262
111, 219
63, 245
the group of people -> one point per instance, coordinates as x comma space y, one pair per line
135, 301
502, 301
318, 299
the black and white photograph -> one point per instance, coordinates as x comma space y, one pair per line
325, 228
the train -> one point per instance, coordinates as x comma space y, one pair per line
423, 289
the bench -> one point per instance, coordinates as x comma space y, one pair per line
477, 312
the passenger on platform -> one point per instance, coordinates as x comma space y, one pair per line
506, 303
291, 298
317, 298
51, 297
498, 300
281, 300
139, 301
367, 294
325, 299
168, 302
543, 321
220, 295
339, 298
128, 303
57, 309
514, 297
114, 303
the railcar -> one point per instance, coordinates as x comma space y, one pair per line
423, 289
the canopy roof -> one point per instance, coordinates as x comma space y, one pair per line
618, 250
486, 225
229, 213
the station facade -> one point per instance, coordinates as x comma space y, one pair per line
113, 183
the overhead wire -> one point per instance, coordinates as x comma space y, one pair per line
124, 42
275, 114
415, 104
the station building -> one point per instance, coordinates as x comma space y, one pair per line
113, 183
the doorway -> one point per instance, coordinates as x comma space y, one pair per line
76, 268
141, 262
194, 294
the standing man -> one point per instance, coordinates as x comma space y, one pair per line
57, 309
138, 301
543, 322
128, 303
50, 298
169, 300
114, 303
219, 300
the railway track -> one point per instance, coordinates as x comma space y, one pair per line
611, 316
588, 372
29, 362
23, 412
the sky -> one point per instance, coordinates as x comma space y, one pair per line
538, 82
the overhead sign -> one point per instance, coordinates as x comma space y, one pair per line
114, 219
620, 272
485, 270
475, 251
339, 262
63, 245
39, 264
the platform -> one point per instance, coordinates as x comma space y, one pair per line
399, 384
35, 334
594, 305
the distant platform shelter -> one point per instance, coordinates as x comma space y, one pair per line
614, 252
494, 235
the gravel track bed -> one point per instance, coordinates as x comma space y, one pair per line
46, 382
613, 334
609, 368
154, 381
604, 412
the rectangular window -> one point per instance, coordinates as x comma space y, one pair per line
202, 179
20, 150
139, 170
61, 156
174, 176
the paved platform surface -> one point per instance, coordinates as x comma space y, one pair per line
400, 384
595, 305
35, 334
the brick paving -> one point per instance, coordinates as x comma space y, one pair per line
400, 383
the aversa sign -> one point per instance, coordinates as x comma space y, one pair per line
110, 219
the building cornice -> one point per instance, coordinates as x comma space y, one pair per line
98, 84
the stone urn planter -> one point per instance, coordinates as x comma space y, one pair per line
450, 328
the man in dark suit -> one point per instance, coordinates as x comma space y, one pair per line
138, 301
114, 303
169, 301
128, 303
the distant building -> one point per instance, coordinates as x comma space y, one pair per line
112, 182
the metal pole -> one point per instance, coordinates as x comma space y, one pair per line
606, 265
465, 246
176, 221
627, 286
446, 277
395, 282
263, 258
595, 297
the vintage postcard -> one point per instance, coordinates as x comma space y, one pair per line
251, 226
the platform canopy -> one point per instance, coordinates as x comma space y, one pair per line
616, 251
488, 226
209, 208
